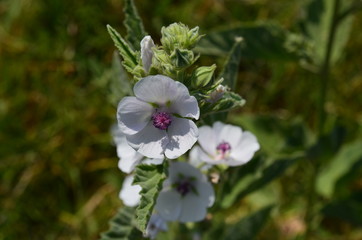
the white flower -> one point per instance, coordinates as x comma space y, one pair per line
186, 194
130, 194
156, 119
146, 52
128, 157
155, 224
225, 144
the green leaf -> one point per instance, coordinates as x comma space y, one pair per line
338, 167
134, 25
150, 178
122, 226
128, 55
254, 181
261, 41
249, 227
317, 26
231, 66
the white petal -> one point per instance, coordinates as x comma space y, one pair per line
205, 192
198, 156
207, 139
168, 205
124, 150
230, 134
246, 148
186, 106
155, 224
183, 135
193, 210
182, 168
130, 193
146, 52
133, 115
127, 165
160, 89
150, 142
153, 161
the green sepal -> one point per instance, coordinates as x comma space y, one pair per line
202, 76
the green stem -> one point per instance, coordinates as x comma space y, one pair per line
325, 76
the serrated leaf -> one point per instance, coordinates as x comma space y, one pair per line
317, 25
231, 66
337, 167
261, 41
252, 181
249, 227
122, 226
134, 25
150, 178
127, 53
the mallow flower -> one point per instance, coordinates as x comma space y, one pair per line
130, 194
186, 194
225, 144
128, 157
157, 121
146, 52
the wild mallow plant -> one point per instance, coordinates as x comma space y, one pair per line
170, 134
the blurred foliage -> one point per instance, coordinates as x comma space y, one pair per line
59, 175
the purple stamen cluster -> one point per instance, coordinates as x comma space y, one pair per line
161, 120
184, 187
223, 147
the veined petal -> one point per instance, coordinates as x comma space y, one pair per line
245, 149
160, 89
193, 209
150, 141
133, 115
185, 106
130, 193
168, 205
182, 135
207, 139
230, 134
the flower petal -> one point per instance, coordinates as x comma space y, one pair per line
230, 134
207, 139
245, 149
127, 165
146, 52
181, 168
130, 193
206, 192
153, 161
168, 205
133, 115
185, 106
150, 142
193, 209
198, 156
183, 135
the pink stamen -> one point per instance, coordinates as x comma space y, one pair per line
161, 120
223, 148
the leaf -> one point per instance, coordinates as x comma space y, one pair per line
249, 227
348, 209
122, 226
317, 26
231, 66
340, 165
128, 55
150, 178
252, 181
134, 25
261, 41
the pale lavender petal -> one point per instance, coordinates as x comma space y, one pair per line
230, 134
127, 165
146, 52
133, 115
183, 135
182, 168
150, 142
168, 205
130, 193
193, 209
198, 156
185, 106
206, 193
207, 140
246, 148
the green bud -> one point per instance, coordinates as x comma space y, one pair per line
178, 35
182, 58
202, 76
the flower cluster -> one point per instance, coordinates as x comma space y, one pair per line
161, 122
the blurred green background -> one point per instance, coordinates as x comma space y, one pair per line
58, 168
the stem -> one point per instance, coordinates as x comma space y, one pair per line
315, 165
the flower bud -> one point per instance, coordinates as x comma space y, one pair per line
146, 52
202, 76
182, 58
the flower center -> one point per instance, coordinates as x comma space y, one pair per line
161, 120
223, 148
184, 187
